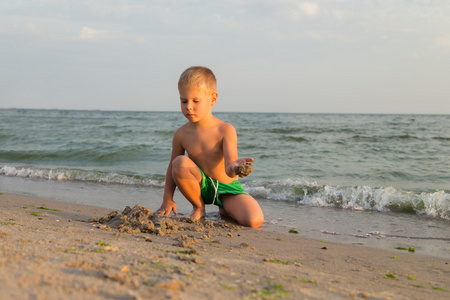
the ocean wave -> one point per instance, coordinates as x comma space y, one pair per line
82, 175
387, 138
87, 152
389, 199
384, 199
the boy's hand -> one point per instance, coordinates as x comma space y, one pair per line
167, 207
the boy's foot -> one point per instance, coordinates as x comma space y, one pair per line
198, 213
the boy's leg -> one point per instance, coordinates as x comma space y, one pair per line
188, 178
244, 209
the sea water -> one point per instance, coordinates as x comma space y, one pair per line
377, 180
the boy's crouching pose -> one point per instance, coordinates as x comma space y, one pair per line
206, 175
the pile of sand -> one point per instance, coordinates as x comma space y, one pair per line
140, 219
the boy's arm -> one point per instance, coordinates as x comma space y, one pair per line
168, 205
230, 152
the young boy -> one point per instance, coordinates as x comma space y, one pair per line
207, 174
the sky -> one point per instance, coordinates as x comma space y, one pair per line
327, 56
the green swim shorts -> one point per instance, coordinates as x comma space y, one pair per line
209, 186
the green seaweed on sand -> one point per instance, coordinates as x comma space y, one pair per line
192, 278
308, 281
161, 266
390, 276
272, 291
411, 278
280, 262
26, 206
103, 247
418, 285
293, 231
102, 244
189, 252
46, 208
70, 250
36, 214
10, 223
227, 287
410, 249
401, 248
439, 289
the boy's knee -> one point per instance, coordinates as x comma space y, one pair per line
182, 166
253, 219
255, 222
179, 160
182, 161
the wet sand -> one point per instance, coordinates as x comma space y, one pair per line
50, 250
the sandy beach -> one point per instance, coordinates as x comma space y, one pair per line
50, 250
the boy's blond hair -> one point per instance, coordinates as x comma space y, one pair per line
198, 76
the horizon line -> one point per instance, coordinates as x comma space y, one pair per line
238, 112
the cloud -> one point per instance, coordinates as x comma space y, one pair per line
298, 11
443, 42
90, 34
309, 8
324, 35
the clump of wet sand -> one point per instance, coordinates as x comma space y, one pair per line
243, 170
140, 219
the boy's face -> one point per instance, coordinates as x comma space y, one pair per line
196, 103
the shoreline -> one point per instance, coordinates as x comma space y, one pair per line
50, 250
380, 230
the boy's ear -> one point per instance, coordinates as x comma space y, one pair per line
214, 98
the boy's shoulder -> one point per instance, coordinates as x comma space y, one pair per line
227, 127
219, 125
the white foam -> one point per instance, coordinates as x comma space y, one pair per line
78, 175
436, 204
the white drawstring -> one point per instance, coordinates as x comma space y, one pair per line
215, 188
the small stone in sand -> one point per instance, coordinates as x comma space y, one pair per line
171, 285
363, 295
187, 243
115, 276
124, 268
246, 246
3, 234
